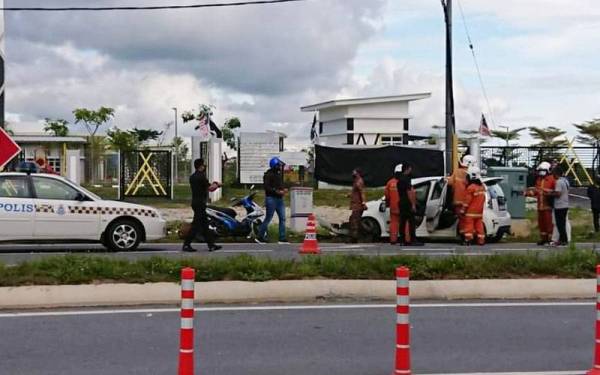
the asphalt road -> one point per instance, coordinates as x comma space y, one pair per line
16, 253
327, 340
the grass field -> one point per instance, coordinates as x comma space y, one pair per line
73, 269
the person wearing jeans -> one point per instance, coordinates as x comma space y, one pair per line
274, 193
561, 205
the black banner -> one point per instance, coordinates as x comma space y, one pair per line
334, 165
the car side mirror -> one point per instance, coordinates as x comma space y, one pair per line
80, 197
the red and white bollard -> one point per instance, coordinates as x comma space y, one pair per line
402, 322
186, 342
596, 369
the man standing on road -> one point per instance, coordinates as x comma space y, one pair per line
274, 193
392, 201
358, 203
458, 182
561, 205
543, 191
474, 203
200, 188
593, 192
408, 207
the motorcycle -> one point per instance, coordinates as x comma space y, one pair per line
223, 223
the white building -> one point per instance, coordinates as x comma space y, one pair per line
366, 121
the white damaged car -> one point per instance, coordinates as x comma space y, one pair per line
45, 207
435, 218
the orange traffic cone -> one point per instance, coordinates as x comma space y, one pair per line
310, 244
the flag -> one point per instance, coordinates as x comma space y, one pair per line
484, 130
204, 126
313, 130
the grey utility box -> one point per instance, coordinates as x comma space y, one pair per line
513, 184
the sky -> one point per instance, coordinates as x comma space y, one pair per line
538, 61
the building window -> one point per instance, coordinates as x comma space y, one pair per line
391, 140
55, 164
406, 125
350, 139
350, 124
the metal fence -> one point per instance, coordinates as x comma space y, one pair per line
580, 164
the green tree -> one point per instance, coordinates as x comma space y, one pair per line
547, 137
182, 149
92, 121
589, 132
229, 135
58, 127
144, 135
119, 140
508, 135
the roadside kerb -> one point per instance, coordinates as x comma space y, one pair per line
224, 292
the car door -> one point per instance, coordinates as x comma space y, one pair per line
16, 208
435, 204
62, 211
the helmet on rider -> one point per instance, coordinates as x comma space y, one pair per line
543, 168
275, 162
468, 160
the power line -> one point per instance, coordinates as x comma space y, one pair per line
158, 7
485, 95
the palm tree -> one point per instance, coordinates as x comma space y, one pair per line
508, 135
589, 132
58, 127
547, 137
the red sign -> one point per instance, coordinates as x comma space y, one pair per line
8, 148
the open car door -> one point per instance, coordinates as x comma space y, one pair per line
435, 204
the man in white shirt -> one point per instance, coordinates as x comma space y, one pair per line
561, 206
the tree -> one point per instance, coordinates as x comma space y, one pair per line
119, 140
182, 149
58, 127
547, 137
144, 135
508, 135
589, 132
229, 135
92, 120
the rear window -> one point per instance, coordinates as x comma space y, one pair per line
14, 187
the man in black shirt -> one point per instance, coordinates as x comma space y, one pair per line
408, 207
200, 189
593, 193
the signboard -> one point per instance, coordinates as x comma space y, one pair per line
294, 158
8, 148
255, 151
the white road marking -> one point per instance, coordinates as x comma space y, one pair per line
293, 307
575, 372
244, 251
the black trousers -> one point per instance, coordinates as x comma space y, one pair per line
596, 219
200, 225
407, 217
561, 223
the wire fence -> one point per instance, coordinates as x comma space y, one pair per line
580, 164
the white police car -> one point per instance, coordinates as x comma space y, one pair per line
44, 207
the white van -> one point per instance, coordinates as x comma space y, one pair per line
435, 218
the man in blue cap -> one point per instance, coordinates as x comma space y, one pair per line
274, 193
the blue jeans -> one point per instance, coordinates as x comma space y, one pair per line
273, 205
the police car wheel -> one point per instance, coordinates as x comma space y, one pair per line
370, 228
123, 235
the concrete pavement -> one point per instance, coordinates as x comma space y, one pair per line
16, 253
294, 340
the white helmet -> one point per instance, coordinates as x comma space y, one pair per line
543, 168
398, 169
468, 160
474, 172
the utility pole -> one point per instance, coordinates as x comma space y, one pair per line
450, 120
2, 65
176, 143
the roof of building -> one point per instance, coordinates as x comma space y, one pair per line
362, 101
45, 138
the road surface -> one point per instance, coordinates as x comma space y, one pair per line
16, 253
295, 340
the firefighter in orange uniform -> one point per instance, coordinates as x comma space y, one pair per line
474, 203
543, 191
392, 200
458, 182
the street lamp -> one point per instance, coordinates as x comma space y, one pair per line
175, 141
